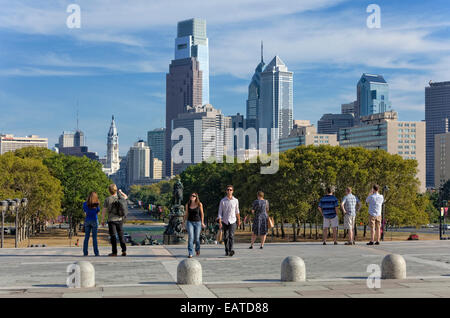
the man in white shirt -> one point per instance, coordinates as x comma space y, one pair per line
375, 201
228, 217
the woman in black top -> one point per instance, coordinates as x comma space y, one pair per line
193, 222
260, 210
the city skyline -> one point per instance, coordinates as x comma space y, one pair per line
40, 84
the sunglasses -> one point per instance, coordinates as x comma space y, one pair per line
193, 196
229, 189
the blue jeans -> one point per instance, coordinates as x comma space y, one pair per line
194, 229
88, 226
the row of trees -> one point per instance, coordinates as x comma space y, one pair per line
54, 185
157, 194
304, 173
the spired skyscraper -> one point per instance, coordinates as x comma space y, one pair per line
191, 41
276, 106
254, 94
373, 95
112, 152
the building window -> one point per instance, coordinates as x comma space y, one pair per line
400, 152
400, 147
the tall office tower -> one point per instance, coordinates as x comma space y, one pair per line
138, 162
254, 94
276, 98
155, 140
437, 114
191, 41
331, 123
384, 131
349, 108
112, 153
373, 95
156, 168
11, 143
183, 88
198, 120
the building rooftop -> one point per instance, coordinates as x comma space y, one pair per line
372, 78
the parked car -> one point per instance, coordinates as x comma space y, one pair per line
447, 226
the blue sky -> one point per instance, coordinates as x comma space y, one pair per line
117, 61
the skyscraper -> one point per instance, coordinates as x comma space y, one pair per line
10, 142
254, 94
373, 95
112, 153
276, 106
71, 139
155, 140
191, 41
437, 114
138, 162
331, 123
183, 88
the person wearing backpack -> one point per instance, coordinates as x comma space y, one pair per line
116, 206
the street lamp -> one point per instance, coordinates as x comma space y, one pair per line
385, 189
3, 208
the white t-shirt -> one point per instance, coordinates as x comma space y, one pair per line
375, 204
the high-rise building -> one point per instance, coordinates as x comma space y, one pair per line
373, 95
301, 123
276, 109
306, 135
384, 131
156, 168
138, 162
192, 41
71, 139
10, 142
349, 108
183, 88
155, 140
199, 121
112, 153
437, 114
441, 159
331, 123
254, 94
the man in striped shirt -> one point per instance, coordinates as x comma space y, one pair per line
329, 207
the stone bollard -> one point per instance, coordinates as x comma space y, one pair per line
81, 275
189, 272
393, 266
293, 269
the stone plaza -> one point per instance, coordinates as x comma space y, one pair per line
151, 271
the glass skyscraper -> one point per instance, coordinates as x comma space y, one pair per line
276, 98
191, 41
373, 95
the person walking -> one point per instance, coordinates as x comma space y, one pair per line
329, 208
260, 209
193, 222
228, 217
375, 201
350, 206
115, 222
91, 208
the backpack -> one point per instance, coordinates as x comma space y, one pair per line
119, 207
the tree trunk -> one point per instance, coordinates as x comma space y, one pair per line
304, 229
364, 231
294, 231
278, 233
355, 231
317, 231
283, 234
298, 227
310, 230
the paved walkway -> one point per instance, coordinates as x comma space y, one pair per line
150, 271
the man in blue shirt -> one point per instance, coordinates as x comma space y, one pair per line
329, 207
